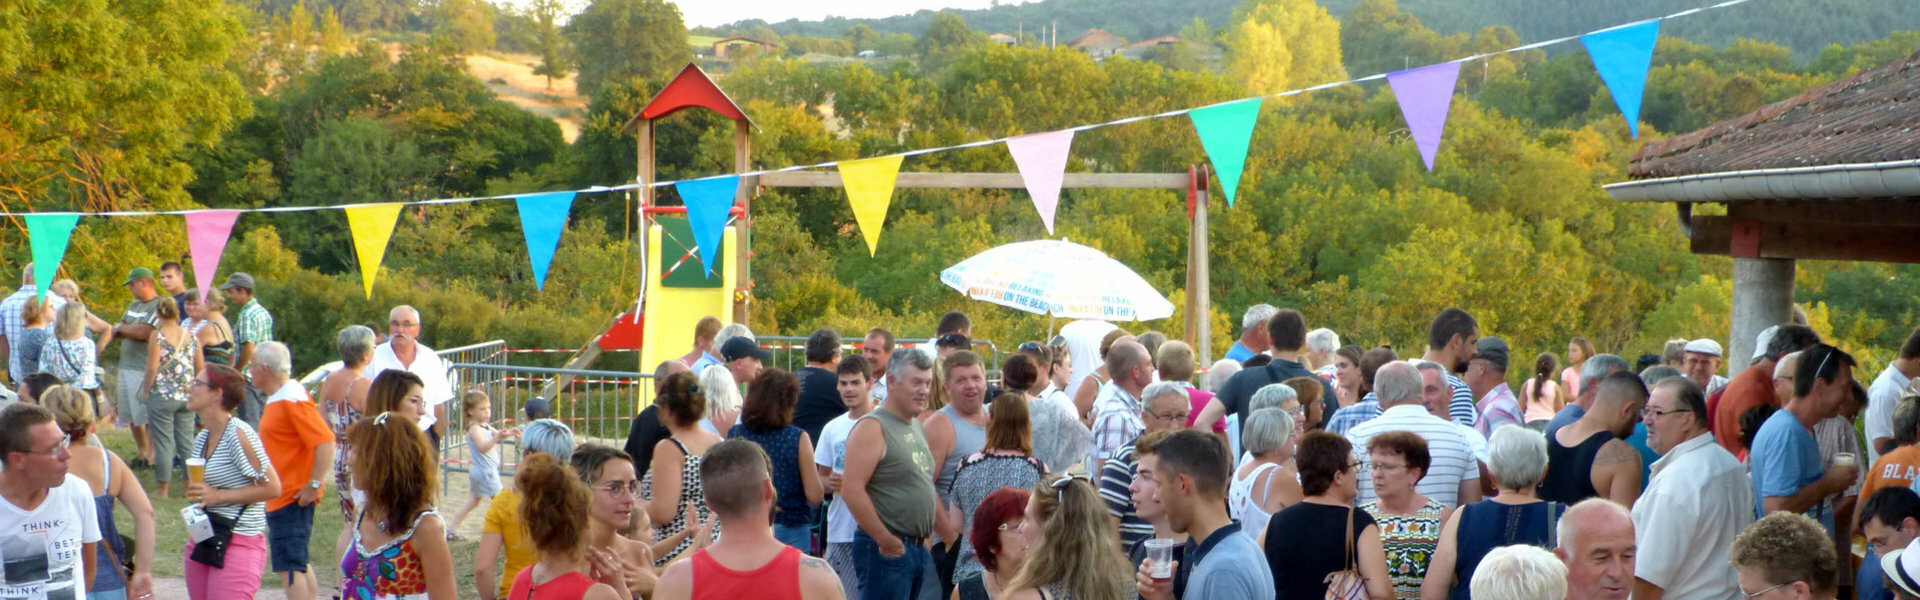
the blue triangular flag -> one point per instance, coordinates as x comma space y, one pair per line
1225, 130
542, 218
1622, 56
708, 202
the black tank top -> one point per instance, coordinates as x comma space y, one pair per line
1569, 476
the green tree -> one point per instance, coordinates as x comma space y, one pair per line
544, 16
862, 37
947, 33
1277, 45
618, 40
1377, 38
467, 24
356, 160
894, 44
1199, 32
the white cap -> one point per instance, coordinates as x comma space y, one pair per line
1704, 346
1902, 567
1766, 337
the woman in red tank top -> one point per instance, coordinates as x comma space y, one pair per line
554, 506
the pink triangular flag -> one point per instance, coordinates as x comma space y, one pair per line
1425, 95
1042, 158
207, 233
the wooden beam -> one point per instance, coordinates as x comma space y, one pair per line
1896, 243
1883, 211
982, 180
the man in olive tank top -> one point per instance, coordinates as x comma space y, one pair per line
888, 485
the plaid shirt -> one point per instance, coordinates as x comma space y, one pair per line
12, 324
1117, 424
254, 326
1499, 408
1360, 412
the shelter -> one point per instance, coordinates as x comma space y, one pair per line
1831, 174
723, 47
1097, 43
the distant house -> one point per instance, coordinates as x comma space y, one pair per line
1003, 39
1144, 50
725, 45
1097, 43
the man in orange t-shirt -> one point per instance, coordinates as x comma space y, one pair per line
300, 445
1900, 467
1754, 386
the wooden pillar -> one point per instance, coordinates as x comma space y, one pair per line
1199, 286
742, 162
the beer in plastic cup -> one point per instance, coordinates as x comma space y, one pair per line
197, 470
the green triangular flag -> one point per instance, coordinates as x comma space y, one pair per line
48, 233
1225, 130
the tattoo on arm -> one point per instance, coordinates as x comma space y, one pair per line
813, 562
1616, 452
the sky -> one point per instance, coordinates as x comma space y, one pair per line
707, 13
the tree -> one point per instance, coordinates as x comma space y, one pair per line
1199, 32
1277, 45
467, 24
547, 39
618, 40
1377, 38
948, 32
862, 37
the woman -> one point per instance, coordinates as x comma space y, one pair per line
503, 539
994, 536
555, 506
171, 363
1061, 371
1409, 522
767, 419
1346, 375
397, 391
1070, 547
66, 288
70, 354
1059, 439
239, 479
1578, 351
1541, 393
33, 335
1312, 393
343, 399
722, 399
609, 475
1517, 460
1324, 534
1005, 462
675, 474
110, 479
1268, 482
210, 326
1090, 386
399, 546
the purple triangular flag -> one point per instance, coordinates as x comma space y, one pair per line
1425, 94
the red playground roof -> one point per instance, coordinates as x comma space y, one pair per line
691, 88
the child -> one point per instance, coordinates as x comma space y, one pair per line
483, 475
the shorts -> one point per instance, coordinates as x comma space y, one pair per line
288, 531
133, 406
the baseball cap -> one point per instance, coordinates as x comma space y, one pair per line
739, 347
1704, 346
1902, 567
1492, 349
538, 408
1766, 337
238, 280
138, 273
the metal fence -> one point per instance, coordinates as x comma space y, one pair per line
790, 352
598, 405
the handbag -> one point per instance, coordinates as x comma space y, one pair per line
212, 551
1347, 584
121, 562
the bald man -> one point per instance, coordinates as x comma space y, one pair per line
1597, 543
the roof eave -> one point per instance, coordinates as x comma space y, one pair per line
1892, 179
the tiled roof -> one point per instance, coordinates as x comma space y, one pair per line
1871, 117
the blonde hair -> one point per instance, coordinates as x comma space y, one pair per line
216, 301
34, 312
64, 287
71, 320
1076, 547
471, 400
72, 409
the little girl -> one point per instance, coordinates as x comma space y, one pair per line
483, 444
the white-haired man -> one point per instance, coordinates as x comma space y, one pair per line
1454, 476
300, 446
403, 351
1253, 333
1696, 505
1519, 572
1701, 363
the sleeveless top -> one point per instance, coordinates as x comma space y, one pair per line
221, 353
1569, 477
393, 570
972, 587
175, 374
1243, 507
341, 415
902, 482
106, 577
571, 585
1410, 541
691, 494
783, 449
977, 477
779, 579
1487, 524
968, 439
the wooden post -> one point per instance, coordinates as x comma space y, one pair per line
742, 162
1191, 326
1199, 293
645, 173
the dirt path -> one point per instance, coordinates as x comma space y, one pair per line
511, 76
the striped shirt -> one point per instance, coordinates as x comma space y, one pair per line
1461, 408
1116, 477
1453, 456
229, 469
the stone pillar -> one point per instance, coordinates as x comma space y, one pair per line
1762, 298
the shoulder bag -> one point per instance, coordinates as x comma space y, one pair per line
1348, 584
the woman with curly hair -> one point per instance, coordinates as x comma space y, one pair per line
767, 419
1070, 546
674, 479
399, 545
555, 506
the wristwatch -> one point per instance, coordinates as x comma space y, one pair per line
314, 485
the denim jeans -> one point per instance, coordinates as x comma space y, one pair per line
798, 536
905, 577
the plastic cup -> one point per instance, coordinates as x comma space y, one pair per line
1846, 459
1160, 552
197, 470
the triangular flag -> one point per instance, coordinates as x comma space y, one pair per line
1622, 56
207, 233
1425, 94
372, 226
1042, 158
48, 234
869, 183
708, 202
542, 218
1225, 130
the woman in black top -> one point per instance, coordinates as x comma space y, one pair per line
1308, 541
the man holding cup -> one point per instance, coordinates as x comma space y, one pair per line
1192, 479
1786, 463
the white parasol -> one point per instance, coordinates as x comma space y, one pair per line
1058, 278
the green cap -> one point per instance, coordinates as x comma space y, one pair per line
138, 273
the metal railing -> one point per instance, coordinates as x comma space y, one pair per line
598, 405
790, 352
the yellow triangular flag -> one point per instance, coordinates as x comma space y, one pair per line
869, 183
372, 226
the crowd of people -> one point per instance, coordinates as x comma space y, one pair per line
1098, 464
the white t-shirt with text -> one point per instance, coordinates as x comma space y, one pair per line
41, 549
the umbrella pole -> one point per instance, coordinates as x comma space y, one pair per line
1049, 325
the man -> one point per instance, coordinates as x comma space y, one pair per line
1836, 436
1785, 459
1487, 378
854, 382
878, 347
1702, 365
954, 322
647, 430
1902, 570
300, 445
136, 327
1452, 340
1596, 542
1145, 493
1695, 506
1453, 478
1754, 385
173, 279
948, 343
1192, 481
738, 487
48, 528
1674, 354
1890, 520
1900, 466
1369, 406
404, 352
955, 432
1116, 417
713, 356
254, 325
703, 333
1786, 554
1519, 572
819, 401
888, 486
13, 324
1287, 331
1591, 372
1883, 394
744, 358
1165, 409
1591, 457
1253, 333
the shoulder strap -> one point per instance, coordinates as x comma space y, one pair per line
1553, 524
1350, 564
106, 470
682, 447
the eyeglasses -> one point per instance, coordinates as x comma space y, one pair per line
202, 383
1380, 466
66, 440
1746, 596
1058, 341
1171, 416
1297, 411
1012, 525
614, 489
1652, 413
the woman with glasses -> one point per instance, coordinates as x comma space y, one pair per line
555, 506
399, 544
994, 536
236, 484
1324, 534
767, 420
608, 473
1517, 459
1409, 522
1005, 462
1267, 482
